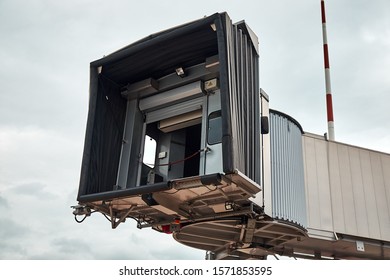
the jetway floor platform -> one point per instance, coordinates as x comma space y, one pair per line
226, 239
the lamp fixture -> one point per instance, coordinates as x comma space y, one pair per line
180, 72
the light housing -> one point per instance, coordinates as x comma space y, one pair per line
180, 72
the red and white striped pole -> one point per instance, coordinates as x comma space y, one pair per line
329, 105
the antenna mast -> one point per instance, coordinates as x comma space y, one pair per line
329, 105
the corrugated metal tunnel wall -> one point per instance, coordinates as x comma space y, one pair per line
332, 189
287, 173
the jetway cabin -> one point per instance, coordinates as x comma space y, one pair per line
192, 91
180, 138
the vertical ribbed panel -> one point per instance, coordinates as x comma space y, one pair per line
246, 101
287, 169
240, 102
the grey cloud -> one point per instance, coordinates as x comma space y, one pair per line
71, 246
10, 229
34, 189
11, 235
11, 250
3, 202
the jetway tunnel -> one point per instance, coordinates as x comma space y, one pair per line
226, 175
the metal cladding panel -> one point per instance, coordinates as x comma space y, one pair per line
317, 185
348, 189
287, 174
266, 158
240, 99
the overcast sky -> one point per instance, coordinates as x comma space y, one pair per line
45, 51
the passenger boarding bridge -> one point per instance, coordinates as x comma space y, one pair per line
227, 174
